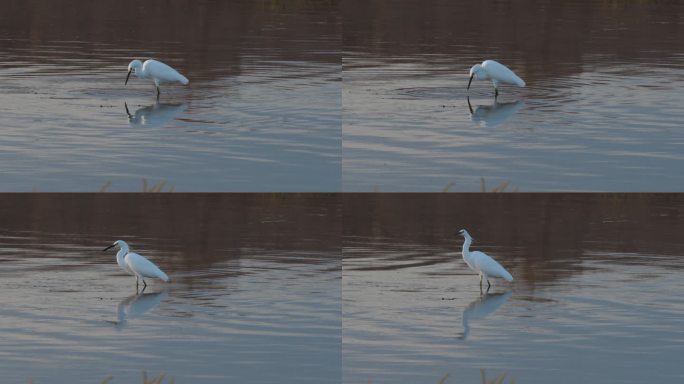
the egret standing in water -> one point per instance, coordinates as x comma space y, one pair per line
135, 264
496, 72
159, 72
481, 263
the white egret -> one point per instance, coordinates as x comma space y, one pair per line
135, 264
496, 72
481, 263
159, 72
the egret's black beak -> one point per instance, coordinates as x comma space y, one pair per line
108, 247
469, 81
129, 75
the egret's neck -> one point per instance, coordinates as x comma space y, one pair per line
481, 74
140, 72
466, 247
120, 255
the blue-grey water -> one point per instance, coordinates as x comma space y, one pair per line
261, 111
595, 296
254, 292
600, 112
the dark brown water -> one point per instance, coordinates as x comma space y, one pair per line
261, 112
595, 296
601, 110
254, 292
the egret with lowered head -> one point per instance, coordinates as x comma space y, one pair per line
496, 72
159, 72
135, 264
482, 263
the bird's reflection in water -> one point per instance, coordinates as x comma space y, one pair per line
137, 305
482, 307
155, 115
494, 114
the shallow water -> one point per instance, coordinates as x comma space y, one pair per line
601, 110
261, 112
254, 292
594, 297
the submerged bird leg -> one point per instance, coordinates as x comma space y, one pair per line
145, 284
127, 111
496, 92
488, 284
158, 92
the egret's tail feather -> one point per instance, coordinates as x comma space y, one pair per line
184, 80
507, 276
163, 276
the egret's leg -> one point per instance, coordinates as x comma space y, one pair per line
496, 92
127, 111
145, 284
136, 283
158, 92
488, 284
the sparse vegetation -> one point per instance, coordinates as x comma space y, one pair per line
146, 187
497, 380
151, 380
483, 186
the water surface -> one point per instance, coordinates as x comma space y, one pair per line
594, 298
261, 112
601, 110
254, 292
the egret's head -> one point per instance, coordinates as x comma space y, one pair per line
134, 65
118, 243
478, 72
464, 233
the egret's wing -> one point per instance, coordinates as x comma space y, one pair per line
163, 72
144, 267
489, 266
500, 72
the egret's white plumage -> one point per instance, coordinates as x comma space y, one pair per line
496, 72
482, 263
159, 72
135, 264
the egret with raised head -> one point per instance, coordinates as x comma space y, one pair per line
482, 263
135, 264
159, 72
496, 72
